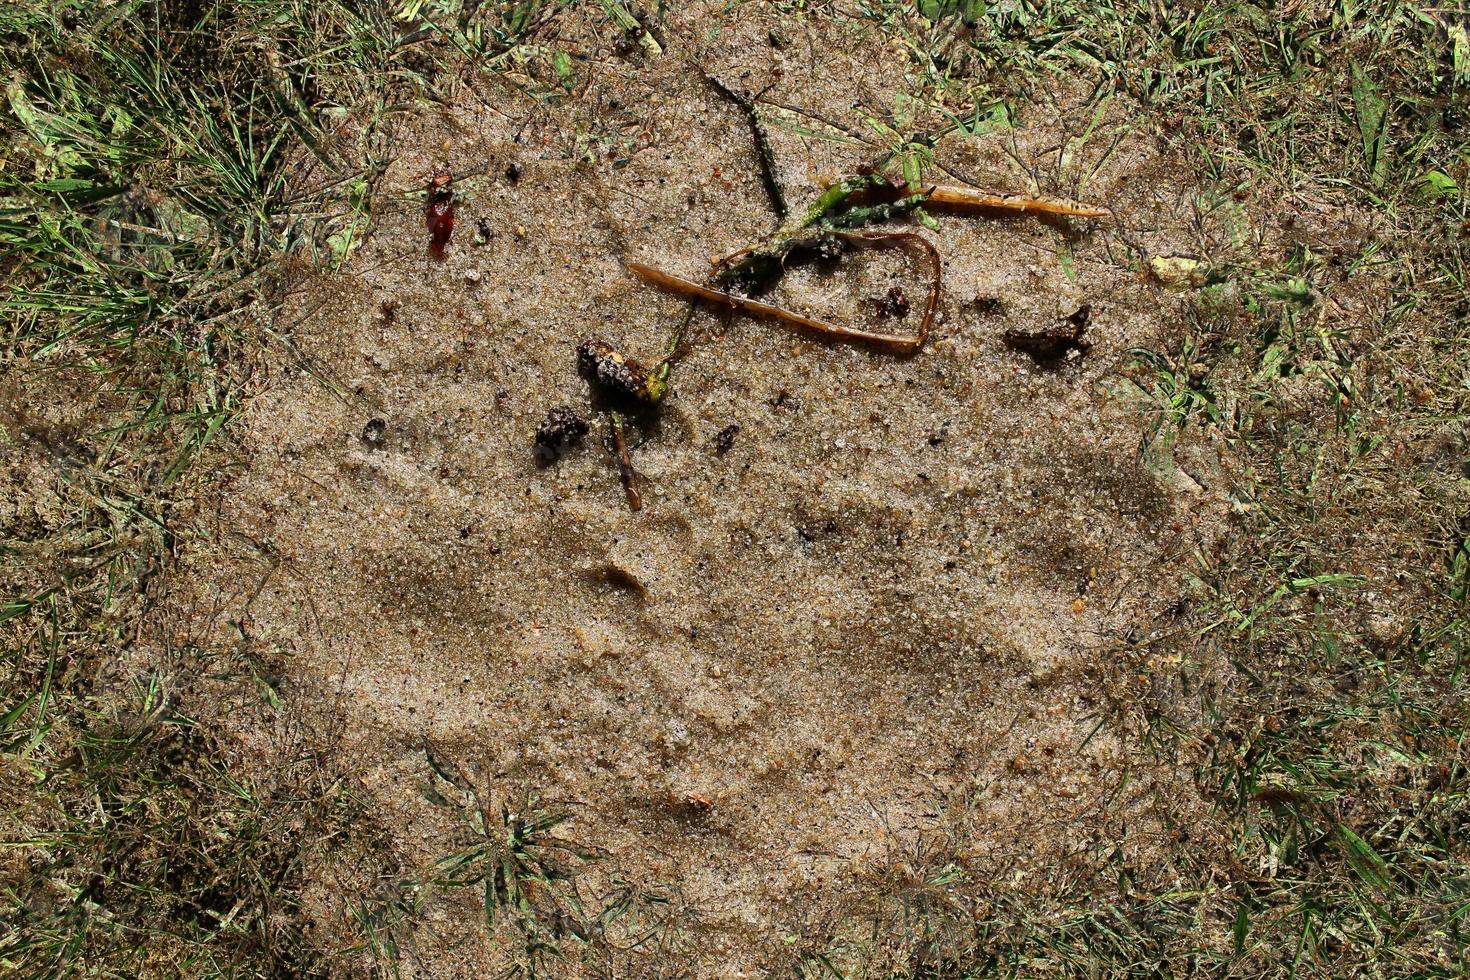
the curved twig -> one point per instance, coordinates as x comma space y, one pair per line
901, 343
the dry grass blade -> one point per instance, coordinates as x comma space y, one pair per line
899, 343
961, 198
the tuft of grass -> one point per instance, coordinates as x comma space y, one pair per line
533, 897
141, 847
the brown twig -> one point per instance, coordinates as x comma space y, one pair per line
624, 463
901, 343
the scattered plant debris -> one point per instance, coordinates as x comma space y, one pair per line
439, 215
892, 303
562, 428
622, 385
1052, 343
725, 438
831, 227
850, 204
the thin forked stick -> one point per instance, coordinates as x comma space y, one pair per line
763, 153
900, 343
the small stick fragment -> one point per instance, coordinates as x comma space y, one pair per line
964, 197
900, 342
624, 463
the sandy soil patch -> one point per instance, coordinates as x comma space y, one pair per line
878, 616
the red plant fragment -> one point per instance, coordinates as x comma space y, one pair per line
439, 216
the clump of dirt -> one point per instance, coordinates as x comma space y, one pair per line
886, 600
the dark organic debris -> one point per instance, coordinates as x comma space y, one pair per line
1052, 343
375, 433
892, 303
439, 216
604, 365
725, 438
562, 428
